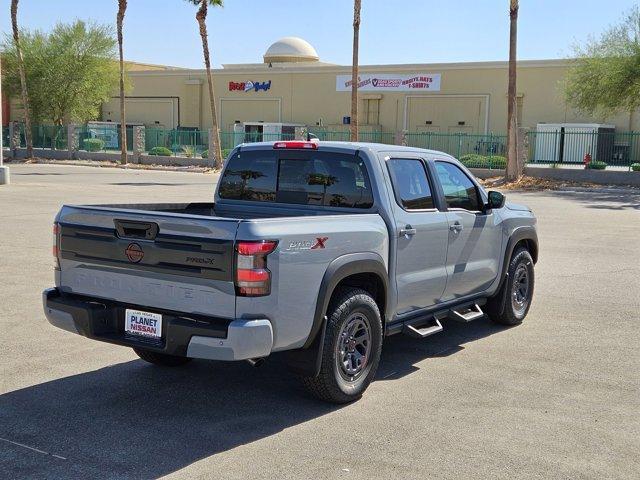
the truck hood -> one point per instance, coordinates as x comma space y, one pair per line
517, 207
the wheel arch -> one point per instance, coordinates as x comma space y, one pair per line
525, 236
365, 270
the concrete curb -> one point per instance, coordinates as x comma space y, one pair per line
5, 176
602, 177
45, 153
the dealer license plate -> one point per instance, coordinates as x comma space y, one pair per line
145, 324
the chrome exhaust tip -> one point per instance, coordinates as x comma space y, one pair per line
255, 362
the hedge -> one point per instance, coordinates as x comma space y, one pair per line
161, 151
596, 165
635, 167
473, 160
93, 144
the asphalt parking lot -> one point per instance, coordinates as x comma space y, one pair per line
557, 397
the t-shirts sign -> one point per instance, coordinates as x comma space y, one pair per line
391, 82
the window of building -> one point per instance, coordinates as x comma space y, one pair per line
372, 111
459, 190
410, 183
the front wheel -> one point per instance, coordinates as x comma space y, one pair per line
351, 348
161, 359
512, 302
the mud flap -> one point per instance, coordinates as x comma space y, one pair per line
307, 361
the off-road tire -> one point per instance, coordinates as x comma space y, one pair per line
331, 384
161, 359
502, 308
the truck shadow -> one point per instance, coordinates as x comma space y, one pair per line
600, 198
401, 353
136, 420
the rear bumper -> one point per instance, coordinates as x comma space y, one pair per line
184, 335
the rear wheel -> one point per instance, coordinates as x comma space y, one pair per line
351, 350
511, 304
161, 359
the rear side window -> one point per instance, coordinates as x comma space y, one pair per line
410, 183
301, 178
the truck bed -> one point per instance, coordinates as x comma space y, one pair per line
230, 211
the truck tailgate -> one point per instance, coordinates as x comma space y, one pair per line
157, 260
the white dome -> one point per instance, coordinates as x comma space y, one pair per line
291, 49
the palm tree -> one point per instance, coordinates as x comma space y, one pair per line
215, 151
122, 8
354, 70
23, 78
512, 172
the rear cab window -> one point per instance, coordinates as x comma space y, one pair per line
297, 177
410, 183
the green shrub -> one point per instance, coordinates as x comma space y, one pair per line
188, 151
596, 165
225, 153
473, 160
161, 151
93, 144
635, 167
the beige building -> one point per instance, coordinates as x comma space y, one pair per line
292, 85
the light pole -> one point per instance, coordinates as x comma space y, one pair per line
4, 171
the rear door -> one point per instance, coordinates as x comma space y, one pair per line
422, 235
474, 236
156, 260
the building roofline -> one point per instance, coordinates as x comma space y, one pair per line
341, 69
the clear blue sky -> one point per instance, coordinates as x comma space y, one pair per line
400, 31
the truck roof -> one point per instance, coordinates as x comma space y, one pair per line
349, 147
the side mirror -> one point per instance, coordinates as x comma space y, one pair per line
496, 200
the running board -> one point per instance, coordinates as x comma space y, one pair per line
435, 327
466, 314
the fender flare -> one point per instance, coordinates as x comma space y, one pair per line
521, 233
306, 360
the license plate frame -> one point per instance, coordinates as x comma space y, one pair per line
143, 324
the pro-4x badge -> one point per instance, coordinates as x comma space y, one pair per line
319, 242
307, 244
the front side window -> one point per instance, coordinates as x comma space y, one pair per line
410, 183
301, 178
459, 190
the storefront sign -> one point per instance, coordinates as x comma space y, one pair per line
390, 82
249, 86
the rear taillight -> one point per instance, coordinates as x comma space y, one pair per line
56, 246
253, 278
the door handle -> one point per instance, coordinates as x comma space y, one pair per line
456, 227
407, 231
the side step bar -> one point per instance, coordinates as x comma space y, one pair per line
435, 327
421, 326
466, 314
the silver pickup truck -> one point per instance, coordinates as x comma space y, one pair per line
315, 249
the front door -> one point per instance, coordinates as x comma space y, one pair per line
422, 235
475, 237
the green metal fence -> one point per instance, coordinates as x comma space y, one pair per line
620, 149
570, 147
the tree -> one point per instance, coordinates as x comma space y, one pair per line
70, 72
122, 8
215, 151
24, 92
512, 172
604, 76
354, 70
